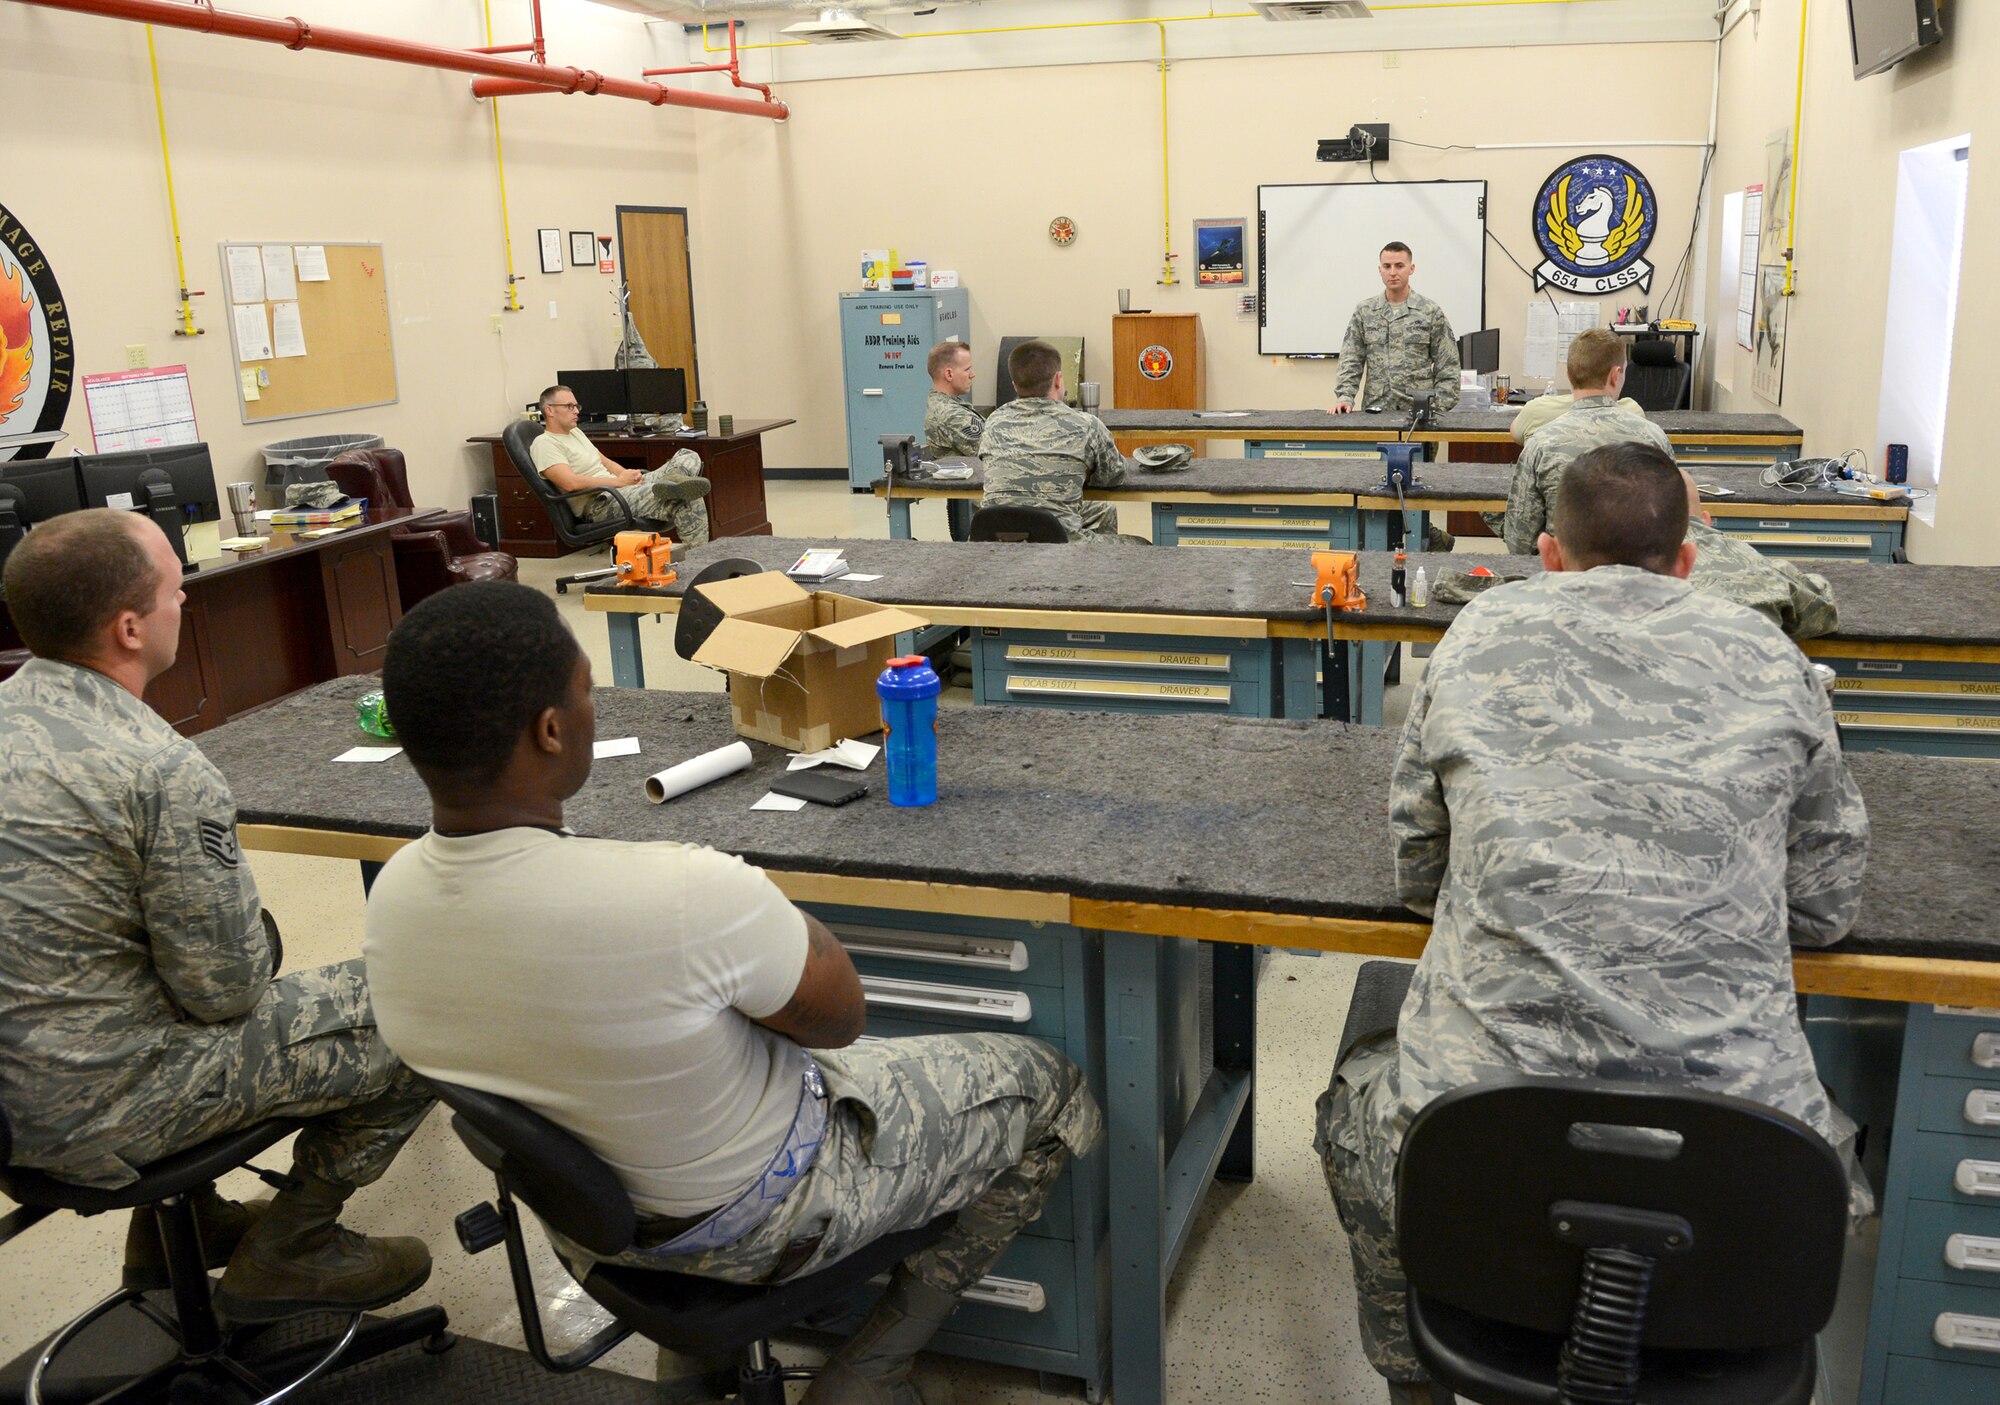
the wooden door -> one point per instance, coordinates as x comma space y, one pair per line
653, 243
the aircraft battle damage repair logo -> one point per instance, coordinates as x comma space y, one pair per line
36, 355
1156, 363
1594, 219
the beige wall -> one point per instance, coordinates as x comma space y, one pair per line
1853, 135
937, 166
274, 145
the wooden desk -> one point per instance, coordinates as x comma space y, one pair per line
1085, 841
733, 463
260, 625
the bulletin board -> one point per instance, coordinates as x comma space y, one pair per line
349, 362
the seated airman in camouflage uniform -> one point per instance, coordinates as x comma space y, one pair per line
568, 461
1401, 340
1611, 790
951, 427
1041, 453
658, 1001
1798, 602
139, 1013
1597, 370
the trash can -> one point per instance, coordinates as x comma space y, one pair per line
304, 460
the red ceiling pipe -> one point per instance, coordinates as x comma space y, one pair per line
735, 75
298, 34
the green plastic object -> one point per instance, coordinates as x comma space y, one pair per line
374, 714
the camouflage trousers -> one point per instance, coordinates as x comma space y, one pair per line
917, 1128
308, 1048
1100, 524
689, 518
1381, 1292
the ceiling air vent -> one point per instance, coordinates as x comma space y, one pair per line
839, 27
1311, 9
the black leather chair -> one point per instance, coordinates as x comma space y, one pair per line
578, 1197
571, 530
199, 1361
1016, 524
441, 550
1656, 377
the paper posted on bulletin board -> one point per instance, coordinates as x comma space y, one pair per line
310, 326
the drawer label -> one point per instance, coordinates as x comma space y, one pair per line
1896, 687
1319, 454
1124, 658
1269, 544
1918, 721
1857, 541
1119, 688
1259, 524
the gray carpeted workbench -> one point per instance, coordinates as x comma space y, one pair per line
1261, 423
1278, 817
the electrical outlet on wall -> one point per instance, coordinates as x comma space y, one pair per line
498, 322
1392, 59
135, 357
552, 309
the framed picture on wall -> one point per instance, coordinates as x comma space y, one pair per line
1218, 253
582, 248
552, 259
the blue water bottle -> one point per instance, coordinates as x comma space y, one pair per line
909, 692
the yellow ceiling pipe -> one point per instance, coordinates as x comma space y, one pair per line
187, 327
1798, 112
513, 302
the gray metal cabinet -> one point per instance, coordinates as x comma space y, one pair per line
884, 338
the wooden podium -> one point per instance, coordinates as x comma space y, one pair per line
1158, 364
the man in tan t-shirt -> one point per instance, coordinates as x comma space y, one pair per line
566, 458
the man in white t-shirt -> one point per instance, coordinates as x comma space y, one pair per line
658, 1000
565, 457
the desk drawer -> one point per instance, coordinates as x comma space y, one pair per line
1958, 1169
1310, 449
512, 489
525, 521
1928, 1315
1125, 673
1755, 454
1271, 526
949, 1007
1952, 1243
1029, 959
1808, 539
1967, 1106
1962, 1043
1915, 1380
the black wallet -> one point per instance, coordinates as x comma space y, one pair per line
819, 787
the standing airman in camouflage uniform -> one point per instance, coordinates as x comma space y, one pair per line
1597, 370
951, 427
1798, 602
1403, 342
137, 995
1599, 761
1041, 453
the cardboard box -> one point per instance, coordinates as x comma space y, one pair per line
802, 665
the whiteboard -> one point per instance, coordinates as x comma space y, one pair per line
1318, 246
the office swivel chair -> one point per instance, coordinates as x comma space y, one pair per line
441, 550
1559, 1247
578, 1197
1016, 524
1656, 378
185, 1355
575, 533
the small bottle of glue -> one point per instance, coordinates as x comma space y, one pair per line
1398, 584
1420, 591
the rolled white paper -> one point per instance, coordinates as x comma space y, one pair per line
697, 772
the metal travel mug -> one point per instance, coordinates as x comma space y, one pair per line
1124, 299
1089, 395
243, 506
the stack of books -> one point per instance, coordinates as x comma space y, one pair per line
333, 516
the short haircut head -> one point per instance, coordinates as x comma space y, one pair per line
552, 392
944, 354
1621, 505
1397, 246
468, 671
1593, 356
1033, 368
73, 575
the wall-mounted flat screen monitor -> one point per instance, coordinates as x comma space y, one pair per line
1885, 32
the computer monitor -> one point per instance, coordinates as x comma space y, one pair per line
1480, 351
187, 467
655, 390
49, 487
599, 394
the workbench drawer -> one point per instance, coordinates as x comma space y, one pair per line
1968, 1106
1267, 526
1807, 539
1125, 673
1029, 1298
1952, 1243
1014, 958
1962, 1042
1929, 1314
1717, 454
1958, 1169
1310, 449
933, 1006
1916, 1380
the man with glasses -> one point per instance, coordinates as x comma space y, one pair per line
566, 459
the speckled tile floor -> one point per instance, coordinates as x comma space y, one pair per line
1260, 1309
